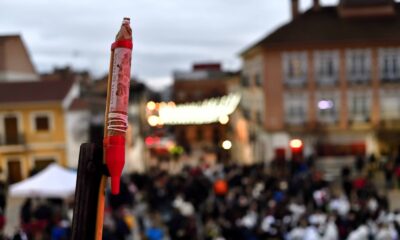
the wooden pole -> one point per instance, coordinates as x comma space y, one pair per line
90, 174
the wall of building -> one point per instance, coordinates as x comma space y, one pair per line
77, 132
33, 145
277, 93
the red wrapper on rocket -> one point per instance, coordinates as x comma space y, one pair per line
117, 109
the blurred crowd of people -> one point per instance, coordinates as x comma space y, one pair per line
43, 219
288, 200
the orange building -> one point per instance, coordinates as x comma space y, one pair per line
33, 131
331, 77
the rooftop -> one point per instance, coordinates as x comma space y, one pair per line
34, 91
326, 26
15, 62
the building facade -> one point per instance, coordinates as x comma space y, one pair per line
32, 126
205, 81
253, 108
32, 113
331, 78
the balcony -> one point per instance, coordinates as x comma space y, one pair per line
390, 124
295, 82
12, 140
359, 81
390, 80
293, 121
327, 123
359, 78
324, 80
360, 122
359, 118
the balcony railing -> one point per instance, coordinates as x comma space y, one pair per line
327, 80
295, 82
390, 80
358, 81
12, 140
390, 123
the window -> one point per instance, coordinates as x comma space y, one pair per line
360, 106
198, 94
295, 108
246, 114
326, 67
14, 170
245, 81
257, 80
295, 68
259, 118
389, 64
181, 95
358, 62
390, 104
42, 121
11, 130
328, 107
199, 133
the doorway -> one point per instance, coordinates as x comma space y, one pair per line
43, 163
14, 171
11, 130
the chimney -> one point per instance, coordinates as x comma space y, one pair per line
295, 8
316, 5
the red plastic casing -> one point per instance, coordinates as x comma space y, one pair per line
122, 44
115, 159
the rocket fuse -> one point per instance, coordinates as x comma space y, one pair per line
118, 95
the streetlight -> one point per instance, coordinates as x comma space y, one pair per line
226, 144
224, 119
151, 105
153, 120
296, 147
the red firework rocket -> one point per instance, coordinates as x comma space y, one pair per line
117, 104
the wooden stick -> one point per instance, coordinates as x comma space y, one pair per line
90, 172
101, 197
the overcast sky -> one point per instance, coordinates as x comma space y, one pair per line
168, 34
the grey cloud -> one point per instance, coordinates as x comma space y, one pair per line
168, 35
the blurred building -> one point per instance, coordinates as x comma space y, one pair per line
253, 108
331, 77
32, 125
33, 109
77, 124
205, 81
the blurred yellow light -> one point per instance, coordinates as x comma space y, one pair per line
169, 145
296, 143
151, 105
153, 120
224, 119
160, 121
171, 104
226, 144
163, 104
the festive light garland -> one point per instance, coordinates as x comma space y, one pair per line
203, 112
